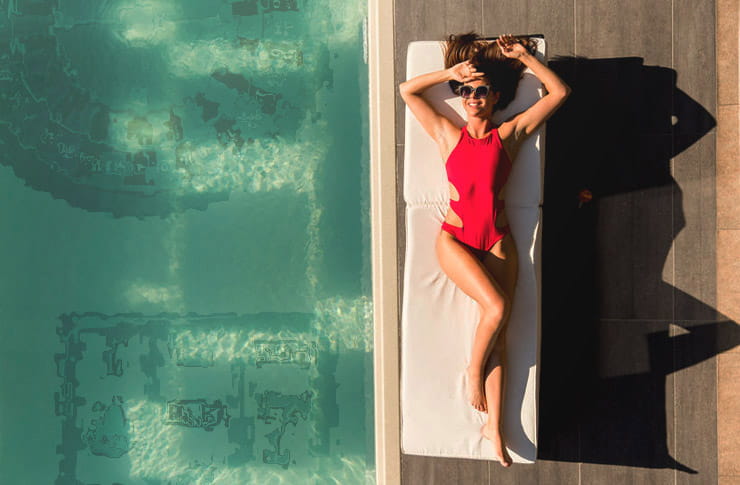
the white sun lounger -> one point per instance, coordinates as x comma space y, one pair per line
438, 319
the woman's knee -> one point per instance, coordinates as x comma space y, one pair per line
495, 309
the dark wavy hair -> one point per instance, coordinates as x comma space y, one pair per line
500, 71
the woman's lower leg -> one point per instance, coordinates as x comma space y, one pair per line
485, 338
494, 386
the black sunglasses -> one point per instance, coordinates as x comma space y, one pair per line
466, 91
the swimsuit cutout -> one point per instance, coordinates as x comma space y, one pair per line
478, 169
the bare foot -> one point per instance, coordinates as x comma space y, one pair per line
499, 450
475, 391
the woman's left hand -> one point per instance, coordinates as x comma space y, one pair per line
510, 46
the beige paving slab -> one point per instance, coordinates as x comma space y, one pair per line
728, 33
728, 414
552, 18
694, 245
639, 28
694, 50
728, 267
593, 474
728, 142
694, 402
728, 167
425, 470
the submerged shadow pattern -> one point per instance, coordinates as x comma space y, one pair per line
150, 388
153, 109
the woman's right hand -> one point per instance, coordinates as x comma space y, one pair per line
464, 72
510, 46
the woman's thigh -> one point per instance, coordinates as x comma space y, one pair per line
502, 263
467, 272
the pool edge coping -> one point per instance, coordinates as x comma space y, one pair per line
380, 38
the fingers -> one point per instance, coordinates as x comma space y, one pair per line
509, 39
504, 42
507, 43
469, 72
472, 73
465, 67
473, 77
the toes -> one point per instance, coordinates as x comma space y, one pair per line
478, 406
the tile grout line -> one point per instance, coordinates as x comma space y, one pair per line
482, 26
647, 320
673, 256
673, 191
575, 35
716, 397
716, 242
694, 321
575, 56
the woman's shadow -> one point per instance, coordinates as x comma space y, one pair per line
612, 329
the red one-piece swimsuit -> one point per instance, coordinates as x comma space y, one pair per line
478, 169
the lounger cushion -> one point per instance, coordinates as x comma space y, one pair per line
439, 320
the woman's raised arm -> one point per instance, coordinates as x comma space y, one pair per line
434, 123
527, 121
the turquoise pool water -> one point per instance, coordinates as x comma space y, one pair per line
185, 253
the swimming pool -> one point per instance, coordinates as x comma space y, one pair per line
187, 294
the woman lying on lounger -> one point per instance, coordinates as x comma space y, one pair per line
475, 247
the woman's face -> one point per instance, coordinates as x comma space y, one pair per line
477, 105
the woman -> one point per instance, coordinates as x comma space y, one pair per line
474, 247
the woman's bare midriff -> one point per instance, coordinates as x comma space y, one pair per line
453, 219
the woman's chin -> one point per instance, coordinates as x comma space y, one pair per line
477, 113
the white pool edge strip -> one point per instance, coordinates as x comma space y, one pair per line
384, 241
